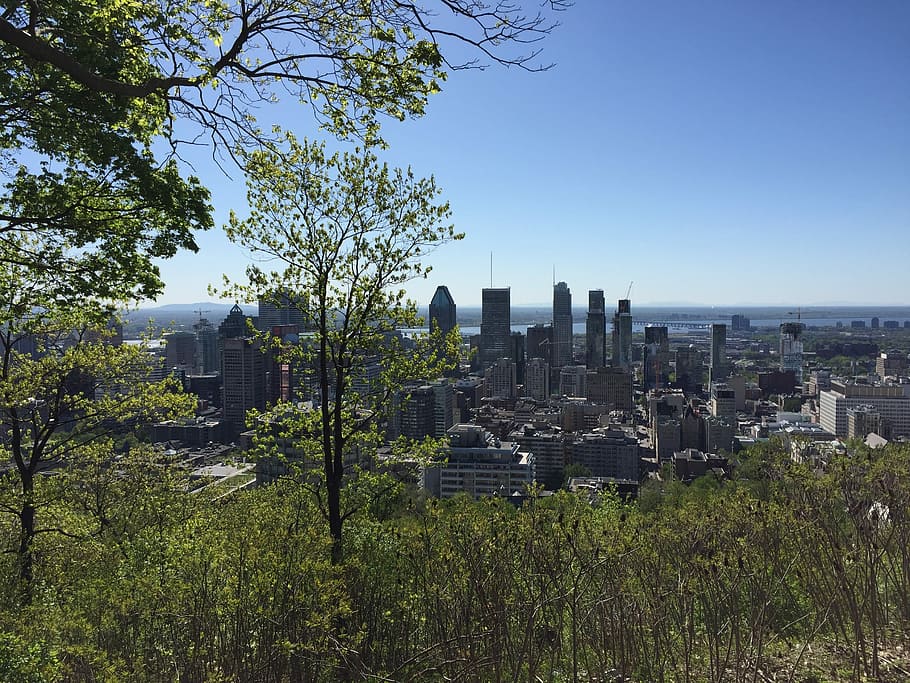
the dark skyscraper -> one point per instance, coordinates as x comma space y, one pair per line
657, 356
719, 370
596, 330
622, 335
495, 326
562, 325
279, 308
442, 310
540, 339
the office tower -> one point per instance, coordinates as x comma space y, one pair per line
689, 368
495, 326
656, 356
207, 360
234, 325
537, 379
718, 370
499, 379
888, 400
608, 453
610, 387
723, 401
181, 351
562, 325
442, 310
740, 323
622, 335
791, 349
596, 330
540, 341
243, 377
572, 380
279, 308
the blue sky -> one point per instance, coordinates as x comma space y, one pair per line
714, 152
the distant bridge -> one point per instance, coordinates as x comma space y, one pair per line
675, 324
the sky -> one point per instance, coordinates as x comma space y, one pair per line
709, 152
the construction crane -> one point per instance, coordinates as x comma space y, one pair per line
201, 312
629, 291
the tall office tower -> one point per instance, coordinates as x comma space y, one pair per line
719, 369
622, 335
791, 349
740, 323
537, 379
562, 325
657, 356
689, 368
499, 379
495, 326
279, 308
181, 351
539, 341
206, 347
596, 330
234, 325
243, 377
442, 310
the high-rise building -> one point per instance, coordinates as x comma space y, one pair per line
719, 369
562, 325
234, 325
181, 351
207, 360
740, 323
572, 380
622, 335
537, 379
540, 341
689, 368
889, 400
500, 379
243, 377
495, 326
280, 308
610, 387
596, 330
656, 357
791, 349
442, 310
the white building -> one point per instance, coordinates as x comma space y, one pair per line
890, 400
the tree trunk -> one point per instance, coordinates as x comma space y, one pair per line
26, 537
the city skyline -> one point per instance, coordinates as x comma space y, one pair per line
714, 155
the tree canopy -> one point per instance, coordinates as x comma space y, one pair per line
90, 89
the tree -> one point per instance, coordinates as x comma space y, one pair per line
340, 235
87, 87
59, 401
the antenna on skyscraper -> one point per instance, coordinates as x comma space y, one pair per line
554, 274
491, 270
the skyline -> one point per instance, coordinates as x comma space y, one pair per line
713, 155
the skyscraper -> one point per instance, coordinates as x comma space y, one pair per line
791, 349
596, 330
540, 339
657, 356
562, 325
719, 369
622, 335
442, 310
495, 326
279, 308
243, 377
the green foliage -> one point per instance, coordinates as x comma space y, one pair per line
344, 234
